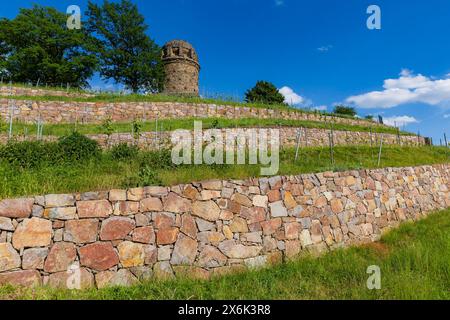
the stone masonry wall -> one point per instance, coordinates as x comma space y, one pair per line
208, 228
288, 138
39, 92
95, 112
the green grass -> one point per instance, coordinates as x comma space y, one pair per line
41, 87
414, 261
188, 123
105, 173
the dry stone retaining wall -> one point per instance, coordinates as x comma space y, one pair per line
207, 228
288, 138
95, 112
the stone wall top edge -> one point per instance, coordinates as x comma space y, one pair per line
4, 99
253, 181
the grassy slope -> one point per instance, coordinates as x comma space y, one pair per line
188, 123
106, 173
414, 262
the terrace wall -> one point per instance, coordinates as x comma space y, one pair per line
208, 228
50, 112
288, 138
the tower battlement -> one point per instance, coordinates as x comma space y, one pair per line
181, 67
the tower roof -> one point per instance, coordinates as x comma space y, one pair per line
179, 49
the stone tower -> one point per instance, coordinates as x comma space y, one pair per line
181, 67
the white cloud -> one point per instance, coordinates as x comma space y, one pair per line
408, 88
399, 121
325, 48
406, 72
279, 2
290, 97
446, 116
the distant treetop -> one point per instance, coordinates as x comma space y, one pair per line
264, 92
345, 110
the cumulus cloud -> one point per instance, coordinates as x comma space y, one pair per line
325, 48
446, 116
408, 88
399, 121
290, 97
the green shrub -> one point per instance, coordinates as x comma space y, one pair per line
344, 110
107, 127
215, 124
161, 159
149, 163
148, 177
124, 151
77, 147
30, 154
137, 127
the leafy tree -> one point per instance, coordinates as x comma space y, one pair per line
264, 92
369, 117
127, 54
344, 110
4, 50
37, 45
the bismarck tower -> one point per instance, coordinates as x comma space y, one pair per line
181, 67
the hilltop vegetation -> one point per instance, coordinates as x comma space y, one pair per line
38, 47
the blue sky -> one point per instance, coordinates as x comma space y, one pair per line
320, 50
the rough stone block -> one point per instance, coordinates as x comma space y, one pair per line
16, 208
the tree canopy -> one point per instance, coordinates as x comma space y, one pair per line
345, 110
37, 46
264, 92
126, 53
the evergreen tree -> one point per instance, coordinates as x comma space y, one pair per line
264, 92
